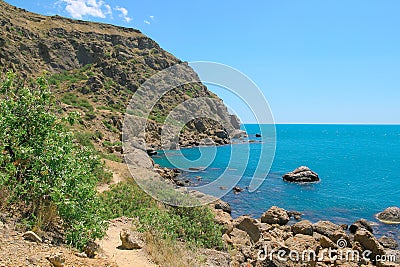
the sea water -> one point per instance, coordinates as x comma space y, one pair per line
359, 168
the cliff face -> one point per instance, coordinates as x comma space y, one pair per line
95, 69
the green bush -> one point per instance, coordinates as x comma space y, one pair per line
42, 165
195, 224
73, 100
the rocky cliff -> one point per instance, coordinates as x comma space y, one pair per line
95, 69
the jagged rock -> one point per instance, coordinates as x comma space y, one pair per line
129, 240
303, 227
31, 236
301, 243
239, 238
220, 204
275, 215
326, 228
388, 242
138, 158
91, 249
258, 135
360, 224
57, 260
238, 133
390, 215
326, 242
339, 236
302, 174
369, 242
224, 219
250, 226
295, 214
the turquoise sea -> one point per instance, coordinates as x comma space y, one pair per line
359, 167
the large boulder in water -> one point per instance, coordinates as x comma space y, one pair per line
302, 174
390, 215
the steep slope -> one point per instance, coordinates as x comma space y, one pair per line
95, 69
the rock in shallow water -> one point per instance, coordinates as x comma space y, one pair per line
388, 242
302, 174
390, 215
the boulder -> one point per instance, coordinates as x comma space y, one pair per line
239, 238
138, 158
361, 224
302, 174
390, 215
32, 236
91, 249
340, 238
129, 240
388, 242
56, 260
327, 243
219, 204
369, 242
303, 227
302, 243
250, 226
326, 228
224, 219
294, 214
275, 215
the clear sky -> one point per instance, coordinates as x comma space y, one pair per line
331, 61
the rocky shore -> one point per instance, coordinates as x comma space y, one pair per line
272, 241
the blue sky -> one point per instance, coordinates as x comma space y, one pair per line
316, 61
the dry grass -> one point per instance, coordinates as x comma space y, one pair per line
169, 253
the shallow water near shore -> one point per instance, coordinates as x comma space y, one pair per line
358, 166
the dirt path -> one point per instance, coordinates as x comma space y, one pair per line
123, 258
109, 244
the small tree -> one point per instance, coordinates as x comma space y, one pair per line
42, 166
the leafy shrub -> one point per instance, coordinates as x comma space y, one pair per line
73, 100
194, 225
43, 166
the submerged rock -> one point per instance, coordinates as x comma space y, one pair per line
302, 174
388, 242
390, 215
237, 190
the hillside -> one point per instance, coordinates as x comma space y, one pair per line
95, 69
